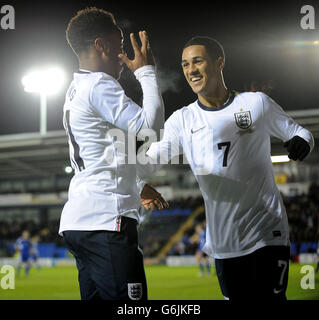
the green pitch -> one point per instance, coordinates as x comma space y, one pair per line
164, 283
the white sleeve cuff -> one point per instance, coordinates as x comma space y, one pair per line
144, 71
140, 184
306, 135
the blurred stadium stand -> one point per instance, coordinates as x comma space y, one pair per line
34, 184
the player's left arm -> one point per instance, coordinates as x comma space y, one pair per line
298, 140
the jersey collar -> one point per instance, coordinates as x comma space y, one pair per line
232, 94
83, 71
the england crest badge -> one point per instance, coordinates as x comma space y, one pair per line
135, 291
243, 119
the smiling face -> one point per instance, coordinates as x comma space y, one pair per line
201, 73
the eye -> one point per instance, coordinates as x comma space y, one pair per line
185, 65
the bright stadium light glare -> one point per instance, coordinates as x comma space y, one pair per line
68, 169
45, 82
303, 43
278, 159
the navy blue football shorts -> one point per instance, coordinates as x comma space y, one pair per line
261, 275
110, 263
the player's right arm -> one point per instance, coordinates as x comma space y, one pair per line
170, 145
159, 153
109, 99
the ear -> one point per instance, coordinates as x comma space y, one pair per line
220, 63
101, 46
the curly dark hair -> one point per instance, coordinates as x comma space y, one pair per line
213, 47
87, 25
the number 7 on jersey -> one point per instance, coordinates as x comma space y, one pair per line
220, 146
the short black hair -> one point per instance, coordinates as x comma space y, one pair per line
213, 47
87, 25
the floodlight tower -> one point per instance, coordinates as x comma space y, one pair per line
44, 82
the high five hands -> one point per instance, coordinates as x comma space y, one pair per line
142, 55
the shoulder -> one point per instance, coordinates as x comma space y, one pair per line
103, 85
95, 81
186, 111
251, 96
181, 115
104, 80
255, 100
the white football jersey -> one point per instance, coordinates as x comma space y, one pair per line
228, 149
104, 186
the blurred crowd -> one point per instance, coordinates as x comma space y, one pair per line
10, 231
303, 216
156, 229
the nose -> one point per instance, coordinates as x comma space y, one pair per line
193, 69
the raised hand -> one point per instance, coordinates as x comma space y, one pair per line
142, 55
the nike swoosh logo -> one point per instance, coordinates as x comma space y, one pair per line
276, 291
197, 129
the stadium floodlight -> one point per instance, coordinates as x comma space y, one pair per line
277, 159
44, 82
68, 169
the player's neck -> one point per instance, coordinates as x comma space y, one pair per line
90, 65
215, 99
89, 61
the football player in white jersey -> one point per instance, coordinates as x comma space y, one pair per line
99, 220
225, 136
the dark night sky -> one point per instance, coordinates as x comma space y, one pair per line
260, 41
